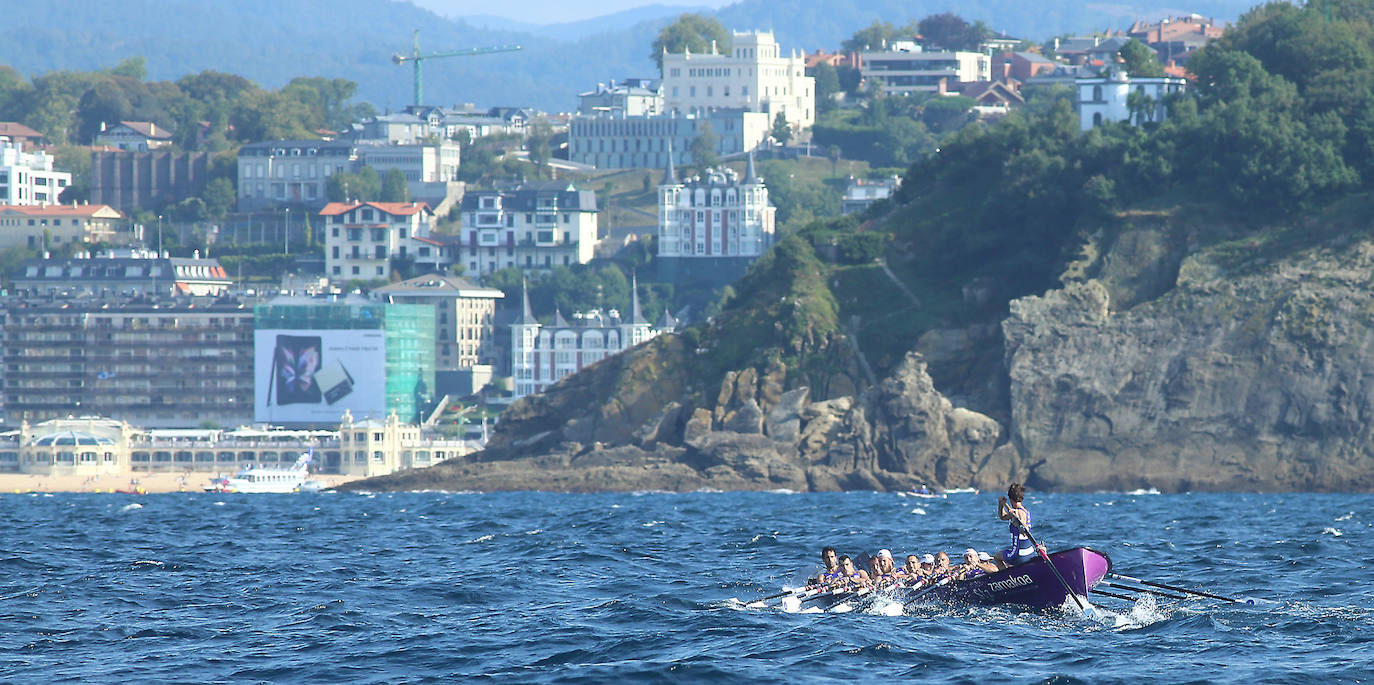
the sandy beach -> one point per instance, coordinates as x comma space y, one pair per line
128, 482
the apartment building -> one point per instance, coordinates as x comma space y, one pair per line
464, 316
297, 171
28, 178
39, 227
905, 68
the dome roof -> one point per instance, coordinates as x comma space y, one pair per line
69, 438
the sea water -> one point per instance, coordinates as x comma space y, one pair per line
654, 587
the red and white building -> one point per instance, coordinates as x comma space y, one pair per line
361, 238
715, 215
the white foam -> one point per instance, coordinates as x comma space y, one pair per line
131, 507
1331, 531
919, 511
1346, 517
484, 538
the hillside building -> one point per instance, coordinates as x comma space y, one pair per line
28, 178
542, 355
297, 171
754, 75
713, 225
362, 238
39, 227
1109, 98
608, 142
147, 179
123, 273
533, 226
905, 68
632, 98
134, 136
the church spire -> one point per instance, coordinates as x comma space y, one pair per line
635, 316
751, 176
526, 315
669, 174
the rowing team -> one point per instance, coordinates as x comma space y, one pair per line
840, 570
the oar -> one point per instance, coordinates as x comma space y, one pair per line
1199, 593
939, 583
1104, 593
799, 592
1139, 589
1044, 555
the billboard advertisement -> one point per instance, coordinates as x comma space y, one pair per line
313, 376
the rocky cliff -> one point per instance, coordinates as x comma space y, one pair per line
1159, 366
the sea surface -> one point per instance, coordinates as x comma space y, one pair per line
654, 587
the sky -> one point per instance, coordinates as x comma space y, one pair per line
549, 11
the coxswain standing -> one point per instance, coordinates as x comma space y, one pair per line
1022, 549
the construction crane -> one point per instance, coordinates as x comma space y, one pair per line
417, 59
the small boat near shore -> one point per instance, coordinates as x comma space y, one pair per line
258, 479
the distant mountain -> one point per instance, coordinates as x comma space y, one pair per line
574, 30
271, 41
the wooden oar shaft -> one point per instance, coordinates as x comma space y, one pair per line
1175, 588
1104, 593
1141, 589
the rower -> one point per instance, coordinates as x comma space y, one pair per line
831, 572
928, 564
911, 570
883, 569
1022, 549
941, 564
974, 565
850, 575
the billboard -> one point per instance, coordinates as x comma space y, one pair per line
312, 376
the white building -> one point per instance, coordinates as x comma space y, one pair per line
905, 68
28, 178
1109, 98
633, 98
534, 226
134, 136
860, 194
542, 355
714, 216
754, 76
361, 238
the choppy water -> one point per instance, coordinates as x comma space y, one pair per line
640, 588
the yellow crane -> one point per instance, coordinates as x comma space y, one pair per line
417, 59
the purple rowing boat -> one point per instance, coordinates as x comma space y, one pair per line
1031, 584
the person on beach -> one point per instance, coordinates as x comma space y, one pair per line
1012, 508
831, 572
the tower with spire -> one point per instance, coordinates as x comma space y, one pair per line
715, 216
524, 333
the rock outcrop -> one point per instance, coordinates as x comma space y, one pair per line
1261, 380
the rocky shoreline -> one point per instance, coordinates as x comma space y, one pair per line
1256, 379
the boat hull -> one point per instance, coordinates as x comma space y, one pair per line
1032, 584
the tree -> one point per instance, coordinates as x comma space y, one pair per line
540, 145
782, 132
703, 147
833, 152
827, 86
949, 31
364, 186
394, 188
871, 39
1140, 60
694, 32
133, 67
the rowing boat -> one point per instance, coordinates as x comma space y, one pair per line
1032, 585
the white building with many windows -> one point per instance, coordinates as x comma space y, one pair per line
715, 215
361, 238
542, 355
28, 178
1111, 98
464, 316
755, 75
534, 226
297, 171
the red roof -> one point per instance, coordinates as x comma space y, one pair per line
17, 130
61, 210
393, 208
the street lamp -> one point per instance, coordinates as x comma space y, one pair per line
286, 235
159, 235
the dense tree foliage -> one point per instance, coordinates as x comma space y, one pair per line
694, 32
950, 32
1278, 123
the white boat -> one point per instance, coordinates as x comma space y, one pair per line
962, 491
258, 479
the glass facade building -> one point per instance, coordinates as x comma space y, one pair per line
343, 362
